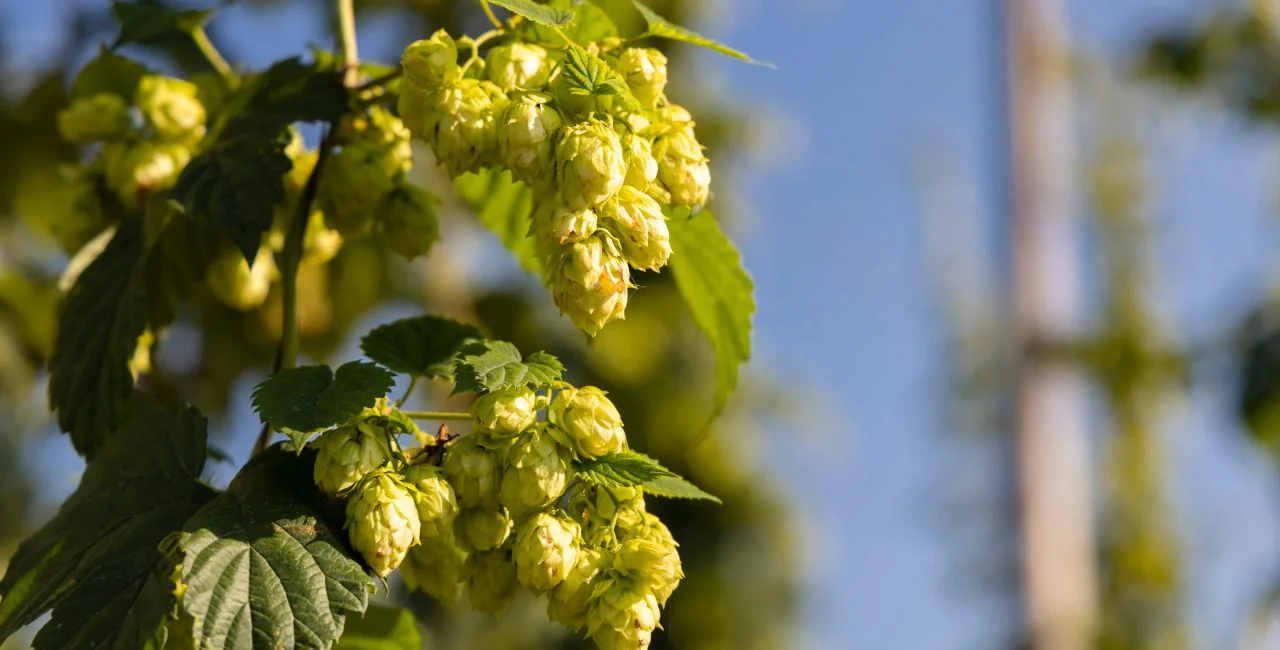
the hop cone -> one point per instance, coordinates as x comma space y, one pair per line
382, 521
491, 580
640, 226
408, 216
506, 412
461, 127
682, 168
645, 71
642, 168
589, 282
517, 66
136, 170
435, 567
623, 615
482, 529
473, 466
591, 421
591, 166
431, 62
536, 474
435, 500
355, 180
651, 564
555, 225
526, 133
569, 601
239, 286
172, 108
97, 118
346, 455
546, 550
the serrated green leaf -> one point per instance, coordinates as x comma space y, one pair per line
505, 207
109, 73
93, 562
662, 28
536, 12
424, 345
709, 275
381, 628
590, 24
630, 468
314, 397
588, 74
141, 22
493, 365
674, 487
99, 323
264, 564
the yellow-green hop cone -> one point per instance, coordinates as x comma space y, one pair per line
382, 521
590, 164
651, 564
473, 466
437, 505
136, 170
431, 62
589, 419
622, 615
236, 284
408, 215
506, 412
482, 529
517, 66
526, 134
645, 71
97, 118
682, 168
172, 108
462, 127
355, 180
640, 226
569, 601
346, 455
622, 506
589, 282
642, 167
536, 474
546, 550
417, 108
435, 567
491, 580
556, 225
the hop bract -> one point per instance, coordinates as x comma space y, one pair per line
537, 472
382, 521
517, 66
473, 466
429, 63
556, 225
546, 550
623, 615
526, 132
435, 567
568, 603
591, 164
491, 580
589, 282
589, 419
434, 497
654, 565
97, 118
645, 71
506, 412
408, 216
345, 456
642, 168
172, 108
640, 226
482, 529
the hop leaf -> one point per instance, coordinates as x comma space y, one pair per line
634, 469
493, 365
538, 13
586, 74
314, 397
424, 345
662, 28
140, 22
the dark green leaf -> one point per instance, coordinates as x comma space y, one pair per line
424, 346
93, 563
674, 487
99, 323
292, 91
536, 12
143, 22
505, 207
493, 365
315, 397
109, 73
381, 628
633, 469
660, 27
709, 275
264, 565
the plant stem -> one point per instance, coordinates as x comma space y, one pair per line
381, 81
488, 11
435, 415
347, 29
408, 392
212, 54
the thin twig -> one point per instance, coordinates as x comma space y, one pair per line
211, 54
488, 11
435, 415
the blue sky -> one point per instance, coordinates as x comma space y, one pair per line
897, 501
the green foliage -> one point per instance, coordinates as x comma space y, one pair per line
264, 565
662, 28
143, 22
99, 323
109, 73
94, 564
634, 469
538, 13
587, 74
381, 628
504, 207
423, 346
493, 365
709, 275
590, 23
310, 398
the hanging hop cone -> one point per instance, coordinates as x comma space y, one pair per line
429, 63
382, 521
482, 529
536, 474
172, 108
434, 498
546, 550
408, 216
590, 164
622, 616
506, 412
568, 602
589, 419
473, 466
645, 71
491, 580
97, 118
517, 66
527, 131
641, 227
589, 282
435, 567
346, 455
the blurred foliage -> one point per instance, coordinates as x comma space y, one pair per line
740, 559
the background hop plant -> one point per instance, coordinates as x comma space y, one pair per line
236, 284
546, 550
640, 226
431, 62
536, 474
591, 421
135, 170
370, 165
645, 71
590, 163
437, 505
435, 567
97, 118
527, 131
408, 217
506, 412
346, 455
172, 108
622, 615
569, 602
382, 521
481, 528
589, 282
491, 580
517, 66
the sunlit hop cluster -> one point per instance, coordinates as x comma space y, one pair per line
606, 166
502, 507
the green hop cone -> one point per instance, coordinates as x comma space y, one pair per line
569, 601
482, 529
437, 505
101, 117
536, 474
346, 456
682, 168
622, 615
589, 282
651, 564
355, 181
462, 126
417, 108
429, 63
623, 506
517, 66
645, 71
554, 225
236, 284
473, 466
589, 419
408, 216
435, 567
73, 214
172, 108
382, 521
642, 168
590, 164
491, 580
136, 170
526, 132
641, 227
546, 550
506, 412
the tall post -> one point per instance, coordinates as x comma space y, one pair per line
1059, 577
